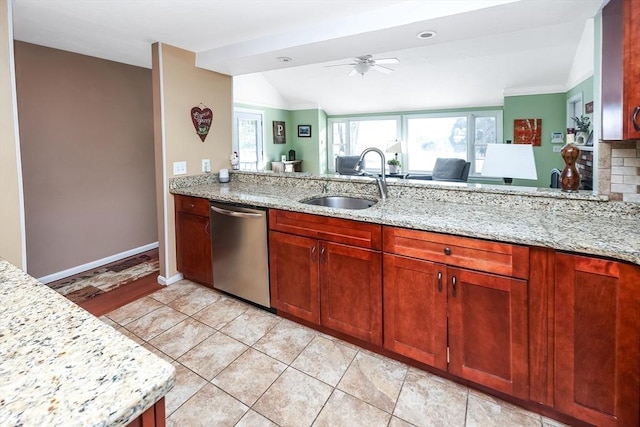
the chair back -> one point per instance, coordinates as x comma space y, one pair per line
345, 165
451, 169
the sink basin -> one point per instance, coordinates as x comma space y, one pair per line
341, 202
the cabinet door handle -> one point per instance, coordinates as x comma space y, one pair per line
207, 227
313, 253
322, 249
439, 281
447, 251
634, 118
454, 286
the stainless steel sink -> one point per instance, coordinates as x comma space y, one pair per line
341, 202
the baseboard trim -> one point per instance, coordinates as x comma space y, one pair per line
164, 281
97, 263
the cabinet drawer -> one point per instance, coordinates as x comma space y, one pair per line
192, 205
336, 230
482, 255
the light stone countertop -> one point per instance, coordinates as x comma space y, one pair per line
62, 366
590, 226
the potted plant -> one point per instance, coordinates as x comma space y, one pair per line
582, 129
394, 165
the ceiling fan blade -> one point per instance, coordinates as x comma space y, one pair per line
339, 65
387, 61
352, 73
385, 70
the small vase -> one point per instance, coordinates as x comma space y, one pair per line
394, 169
570, 177
581, 138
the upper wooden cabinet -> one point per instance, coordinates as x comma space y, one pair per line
621, 70
193, 239
597, 340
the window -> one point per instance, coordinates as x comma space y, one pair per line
457, 135
247, 138
349, 137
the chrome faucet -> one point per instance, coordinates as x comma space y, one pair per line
380, 180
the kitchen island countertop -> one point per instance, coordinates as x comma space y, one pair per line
62, 366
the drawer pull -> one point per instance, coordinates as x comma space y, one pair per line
454, 286
439, 281
447, 251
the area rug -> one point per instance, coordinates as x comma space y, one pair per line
90, 284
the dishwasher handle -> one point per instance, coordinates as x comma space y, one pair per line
236, 213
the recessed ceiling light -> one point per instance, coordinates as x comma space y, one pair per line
284, 59
423, 35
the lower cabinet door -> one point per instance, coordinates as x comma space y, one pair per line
351, 291
488, 330
597, 340
193, 247
293, 262
415, 309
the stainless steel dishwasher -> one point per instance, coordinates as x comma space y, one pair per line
240, 252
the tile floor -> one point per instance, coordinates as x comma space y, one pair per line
237, 365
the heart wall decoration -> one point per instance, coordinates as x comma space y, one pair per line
202, 118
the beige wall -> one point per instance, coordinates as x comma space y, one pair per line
178, 87
86, 135
11, 206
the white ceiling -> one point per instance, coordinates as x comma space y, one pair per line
484, 48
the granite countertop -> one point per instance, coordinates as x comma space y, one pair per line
575, 230
62, 366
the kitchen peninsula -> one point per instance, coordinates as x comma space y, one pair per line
61, 366
530, 294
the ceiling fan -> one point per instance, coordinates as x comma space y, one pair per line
365, 63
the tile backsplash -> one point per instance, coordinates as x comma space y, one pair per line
619, 170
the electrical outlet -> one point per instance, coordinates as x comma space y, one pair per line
206, 165
180, 168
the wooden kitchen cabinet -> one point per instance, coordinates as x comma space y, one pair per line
327, 271
597, 340
479, 318
620, 70
193, 239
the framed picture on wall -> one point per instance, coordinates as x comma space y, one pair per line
279, 133
304, 131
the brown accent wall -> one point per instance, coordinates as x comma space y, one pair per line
86, 134
11, 241
178, 86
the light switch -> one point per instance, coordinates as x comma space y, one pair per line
180, 168
206, 165
557, 148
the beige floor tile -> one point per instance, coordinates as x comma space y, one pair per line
212, 355
182, 337
221, 312
374, 380
134, 310
503, 404
108, 321
195, 301
254, 419
174, 290
157, 352
249, 376
130, 335
325, 359
285, 341
187, 384
295, 399
347, 411
484, 413
153, 324
428, 400
209, 407
397, 422
250, 326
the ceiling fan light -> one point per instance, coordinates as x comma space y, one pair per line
362, 67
